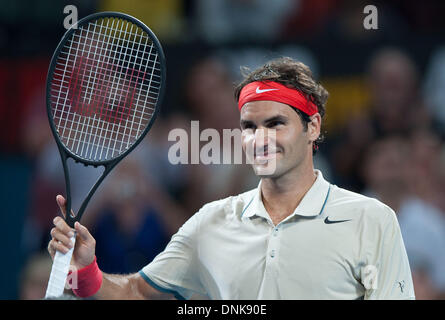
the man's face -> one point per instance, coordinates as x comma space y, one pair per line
277, 137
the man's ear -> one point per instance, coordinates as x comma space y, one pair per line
314, 127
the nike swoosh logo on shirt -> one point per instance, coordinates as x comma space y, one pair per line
327, 221
258, 90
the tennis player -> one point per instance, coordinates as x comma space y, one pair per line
296, 236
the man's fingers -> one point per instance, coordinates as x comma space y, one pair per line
54, 246
83, 232
63, 227
62, 238
61, 202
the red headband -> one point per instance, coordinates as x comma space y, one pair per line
274, 91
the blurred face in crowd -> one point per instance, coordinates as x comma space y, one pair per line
393, 84
393, 80
385, 163
426, 166
210, 89
276, 134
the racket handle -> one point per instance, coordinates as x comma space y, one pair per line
59, 272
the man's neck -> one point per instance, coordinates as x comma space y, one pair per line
282, 196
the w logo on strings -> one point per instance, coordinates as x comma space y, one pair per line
110, 97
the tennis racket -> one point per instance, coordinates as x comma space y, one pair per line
104, 87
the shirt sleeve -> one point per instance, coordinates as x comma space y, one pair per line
387, 274
176, 270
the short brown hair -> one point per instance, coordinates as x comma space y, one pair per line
293, 74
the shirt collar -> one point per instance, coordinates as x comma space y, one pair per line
311, 205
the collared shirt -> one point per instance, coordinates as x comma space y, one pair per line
335, 245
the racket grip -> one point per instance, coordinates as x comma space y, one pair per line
59, 272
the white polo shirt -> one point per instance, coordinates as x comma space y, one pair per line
335, 245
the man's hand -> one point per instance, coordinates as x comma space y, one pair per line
84, 250
131, 286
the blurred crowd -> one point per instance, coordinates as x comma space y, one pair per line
385, 128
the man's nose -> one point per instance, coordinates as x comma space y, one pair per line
261, 135
260, 138
264, 137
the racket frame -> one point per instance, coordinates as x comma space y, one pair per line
64, 152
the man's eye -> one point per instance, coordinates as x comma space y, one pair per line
274, 123
248, 126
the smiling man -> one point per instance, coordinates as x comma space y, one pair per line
296, 236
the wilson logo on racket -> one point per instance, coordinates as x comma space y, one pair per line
110, 97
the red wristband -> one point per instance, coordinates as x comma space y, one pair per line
89, 280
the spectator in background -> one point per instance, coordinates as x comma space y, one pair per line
209, 88
383, 170
388, 172
346, 151
396, 104
396, 108
426, 174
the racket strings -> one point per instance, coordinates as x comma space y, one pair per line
105, 88
140, 60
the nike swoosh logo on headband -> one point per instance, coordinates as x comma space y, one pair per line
258, 90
